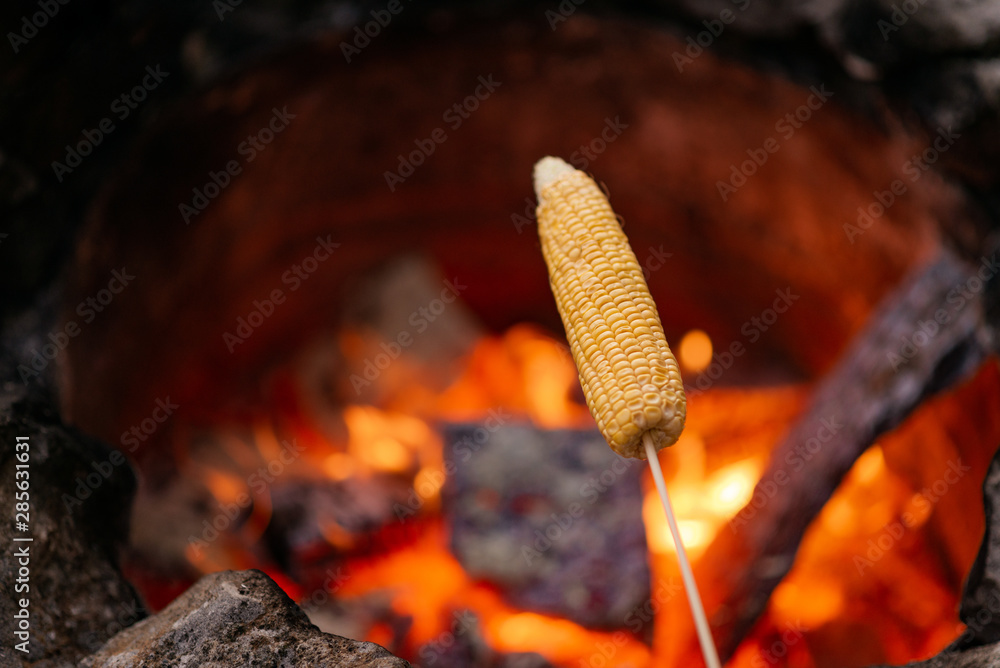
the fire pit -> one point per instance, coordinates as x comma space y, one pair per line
307, 306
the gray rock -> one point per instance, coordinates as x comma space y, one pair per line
235, 618
553, 517
79, 494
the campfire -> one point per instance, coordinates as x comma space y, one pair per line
883, 560
339, 362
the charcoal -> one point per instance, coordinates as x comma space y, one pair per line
236, 618
360, 506
183, 512
552, 517
463, 646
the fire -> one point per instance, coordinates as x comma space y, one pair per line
430, 587
524, 371
390, 442
695, 351
703, 503
711, 473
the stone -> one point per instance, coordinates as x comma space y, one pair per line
78, 597
79, 492
235, 618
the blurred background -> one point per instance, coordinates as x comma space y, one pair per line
283, 256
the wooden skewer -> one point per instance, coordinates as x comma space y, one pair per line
690, 587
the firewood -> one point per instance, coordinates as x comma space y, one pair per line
922, 339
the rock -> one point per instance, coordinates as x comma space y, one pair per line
931, 58
79, 493
235, 618
553, 517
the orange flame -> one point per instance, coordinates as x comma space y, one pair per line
711, 473
524, 371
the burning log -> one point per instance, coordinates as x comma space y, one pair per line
921, 340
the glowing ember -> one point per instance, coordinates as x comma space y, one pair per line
732, 486
808, 605
429, 586
525, 371
339, 466
386, 441
862, 569
695, 351
704, 503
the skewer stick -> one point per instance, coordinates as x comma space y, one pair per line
690, 587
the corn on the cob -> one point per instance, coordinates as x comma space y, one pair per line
629, 376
